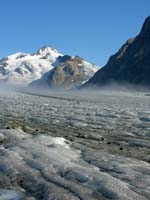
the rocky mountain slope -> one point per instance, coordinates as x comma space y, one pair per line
131, 64
69, 73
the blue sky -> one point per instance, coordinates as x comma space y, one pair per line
93, 29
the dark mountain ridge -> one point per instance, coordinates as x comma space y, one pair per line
130, 65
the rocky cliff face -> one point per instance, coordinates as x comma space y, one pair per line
69, 73
131, 64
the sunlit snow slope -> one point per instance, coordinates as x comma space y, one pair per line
22, 68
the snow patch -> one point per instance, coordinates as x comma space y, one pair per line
10, 195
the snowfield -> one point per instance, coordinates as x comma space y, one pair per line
22, 68
74, 146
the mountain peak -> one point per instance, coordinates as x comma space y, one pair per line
22, 68
146, 27
46, 50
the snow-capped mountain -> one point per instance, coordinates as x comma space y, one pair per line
46, 67
23, 68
